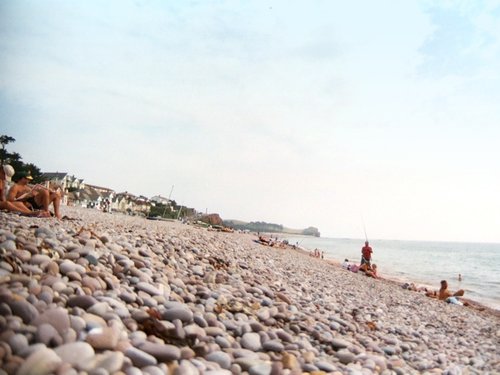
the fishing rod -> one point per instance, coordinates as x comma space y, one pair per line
364, 227
366, 236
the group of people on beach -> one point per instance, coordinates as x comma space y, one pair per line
370, 270
366, 265
317, 254
443, 294
24, 198
34, 200
272, 242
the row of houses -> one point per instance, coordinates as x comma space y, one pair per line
79, 193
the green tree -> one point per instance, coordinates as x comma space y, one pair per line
5, 140
161, 210
15, 159
36, 173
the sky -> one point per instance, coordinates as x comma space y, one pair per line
339, 115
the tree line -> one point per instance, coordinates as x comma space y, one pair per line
15, 159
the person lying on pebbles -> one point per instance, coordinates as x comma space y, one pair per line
445, 295
413, 287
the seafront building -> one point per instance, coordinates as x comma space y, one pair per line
78, 193
81, 194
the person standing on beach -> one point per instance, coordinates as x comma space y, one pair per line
366, 254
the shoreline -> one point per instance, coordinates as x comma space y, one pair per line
128, 294
396, 282
400, 280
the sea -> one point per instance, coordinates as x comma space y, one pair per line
423, 263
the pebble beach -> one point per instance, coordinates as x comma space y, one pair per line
103, 294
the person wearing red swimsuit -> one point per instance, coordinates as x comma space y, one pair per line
366, 254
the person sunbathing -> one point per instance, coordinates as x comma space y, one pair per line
35, 198
431, 294
415, 288
364, 267
6, 173
346, 264
372, 271
444, 293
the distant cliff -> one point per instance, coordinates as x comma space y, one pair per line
260, 226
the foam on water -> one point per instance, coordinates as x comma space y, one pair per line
424, 263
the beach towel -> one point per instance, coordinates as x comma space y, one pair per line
454, 301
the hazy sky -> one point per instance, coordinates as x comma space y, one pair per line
299, 113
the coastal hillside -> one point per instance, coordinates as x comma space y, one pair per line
260, 226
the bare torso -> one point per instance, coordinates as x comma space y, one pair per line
17, 191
